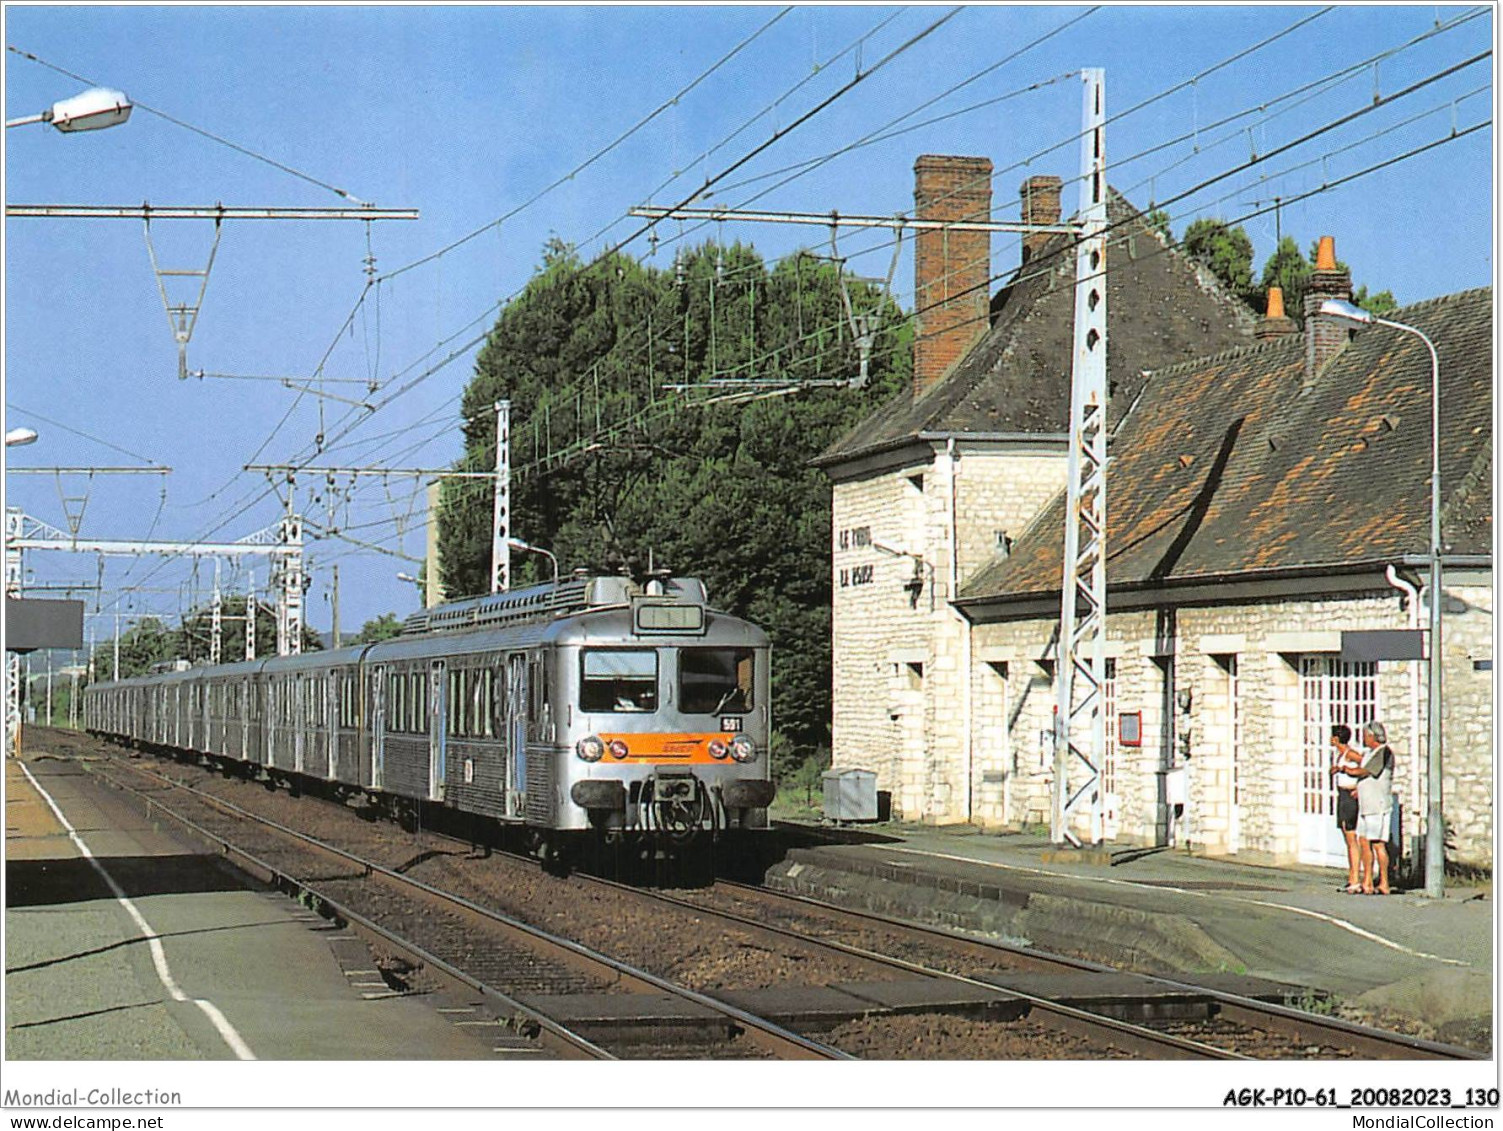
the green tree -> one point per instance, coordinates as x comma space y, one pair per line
1380, 303
613, 470
1227, 251
145, 643
1293, 271
382, 628
1288, 269
1158, 219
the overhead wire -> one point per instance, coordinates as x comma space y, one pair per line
1026, 275
970, 184
605, 256
238, 148
242, 507
1283, 149
1382, 101
1117, 162
954, 88
564, 178
1313, 134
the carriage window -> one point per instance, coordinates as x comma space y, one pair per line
619, 680
537, 685
486, 703
712, 680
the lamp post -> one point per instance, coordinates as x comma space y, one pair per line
95, 109
1435, 829
518, 544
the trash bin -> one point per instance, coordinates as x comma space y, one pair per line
850, 795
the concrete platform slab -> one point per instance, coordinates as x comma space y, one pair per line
801, 1005
1259, 989
1124, 996
929, 995
621, 1009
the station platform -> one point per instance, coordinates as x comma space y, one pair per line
1165, 912
175, 956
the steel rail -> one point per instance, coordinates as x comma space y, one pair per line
1295, 1023
765, 1034
1375, 1043
1064, 1018
552, 1034
1059, 1016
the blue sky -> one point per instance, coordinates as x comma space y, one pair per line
466, 112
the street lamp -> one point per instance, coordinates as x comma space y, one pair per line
1435, 850
17, 437
95, 109
518, 544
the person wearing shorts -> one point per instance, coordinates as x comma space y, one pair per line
1343, 758
1374, 807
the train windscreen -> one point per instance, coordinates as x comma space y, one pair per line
713, 680
619, 679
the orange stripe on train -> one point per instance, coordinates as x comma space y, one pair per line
690, 749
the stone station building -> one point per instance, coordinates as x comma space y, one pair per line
1267, 489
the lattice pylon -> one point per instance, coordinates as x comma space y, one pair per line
1080, 670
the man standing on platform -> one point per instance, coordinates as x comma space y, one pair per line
1374, 805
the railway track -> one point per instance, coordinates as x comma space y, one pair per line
497, 956
1235, 1021
1232, 1027
1027, 1028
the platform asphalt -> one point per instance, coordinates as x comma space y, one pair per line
1163, 911
230, 972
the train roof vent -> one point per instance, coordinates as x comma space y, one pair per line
545, 602
517, 606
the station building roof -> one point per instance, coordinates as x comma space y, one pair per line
1162, 307
1246, 464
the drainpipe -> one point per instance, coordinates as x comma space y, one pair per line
1412, 593
965, 634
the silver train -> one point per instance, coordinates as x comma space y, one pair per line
596, 708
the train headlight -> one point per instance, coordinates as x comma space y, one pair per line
718, 749
619, 749
591, 749
743, 749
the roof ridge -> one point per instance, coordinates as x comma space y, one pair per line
1227, 354
1437, 300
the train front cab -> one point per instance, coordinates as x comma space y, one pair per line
663, 735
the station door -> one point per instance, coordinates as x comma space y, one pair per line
1333, 692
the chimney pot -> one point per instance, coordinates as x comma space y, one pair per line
1325, 254
1324, 337
1275, 324
952, 269
1275, 302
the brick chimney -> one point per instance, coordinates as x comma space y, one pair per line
1040, 196
1274, 323
1324, 337
952, 270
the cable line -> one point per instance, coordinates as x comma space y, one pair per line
596, 156
195, 129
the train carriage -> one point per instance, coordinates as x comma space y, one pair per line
598, 707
